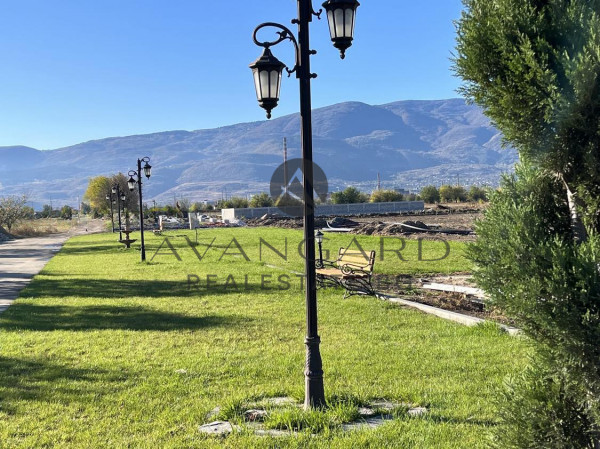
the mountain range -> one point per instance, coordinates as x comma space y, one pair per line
408, 143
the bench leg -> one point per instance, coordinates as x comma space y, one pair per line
357, 286
326, 281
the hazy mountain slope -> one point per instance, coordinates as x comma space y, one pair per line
410, 143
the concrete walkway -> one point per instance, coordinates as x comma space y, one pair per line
22, 259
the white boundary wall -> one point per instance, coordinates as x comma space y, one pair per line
330, 209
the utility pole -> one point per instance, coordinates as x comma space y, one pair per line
285, 168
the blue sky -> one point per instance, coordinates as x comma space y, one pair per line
77, 70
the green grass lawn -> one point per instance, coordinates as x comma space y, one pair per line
104, 351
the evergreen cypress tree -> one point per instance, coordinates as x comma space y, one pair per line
534, 66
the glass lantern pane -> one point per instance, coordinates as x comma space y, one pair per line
331, 20
273, 88
257, 84
349, 23
339, 22
264, 84
279, 84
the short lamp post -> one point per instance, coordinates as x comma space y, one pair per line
112, 214
135, 177
319, 240
154, 214
116, 190
267, 71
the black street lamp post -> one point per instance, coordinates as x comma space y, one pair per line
131, 182
112, 217
267, 71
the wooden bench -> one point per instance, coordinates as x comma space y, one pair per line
352, 271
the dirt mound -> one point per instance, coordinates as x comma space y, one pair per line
381, 228
341, 222
284, 222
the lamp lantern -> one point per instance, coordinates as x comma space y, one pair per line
319, 236
267, 71
147, 170
341, 15
131, 183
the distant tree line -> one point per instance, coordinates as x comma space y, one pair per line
453, 194
351, 195
429, 194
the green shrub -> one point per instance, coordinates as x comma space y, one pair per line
385, 196
348, 196
430, 194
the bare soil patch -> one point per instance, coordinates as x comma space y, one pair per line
408, 287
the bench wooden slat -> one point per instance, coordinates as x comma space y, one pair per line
354, 261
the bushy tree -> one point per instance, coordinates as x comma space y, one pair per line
98, 188
132, 202
261, 200
477, 194
385, 196
534, 66
349, 195
66, 213
430, 194
12, 210
28, 213
183, 204
169, 210
235, 202
47, 211
200, 207
451, 194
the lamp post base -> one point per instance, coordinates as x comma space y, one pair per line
313, 375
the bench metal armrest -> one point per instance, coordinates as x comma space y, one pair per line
354, 269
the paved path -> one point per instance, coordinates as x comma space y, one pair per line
22, 259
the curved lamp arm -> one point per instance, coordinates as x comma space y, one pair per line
284, 34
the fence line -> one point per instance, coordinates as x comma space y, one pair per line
330, 209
